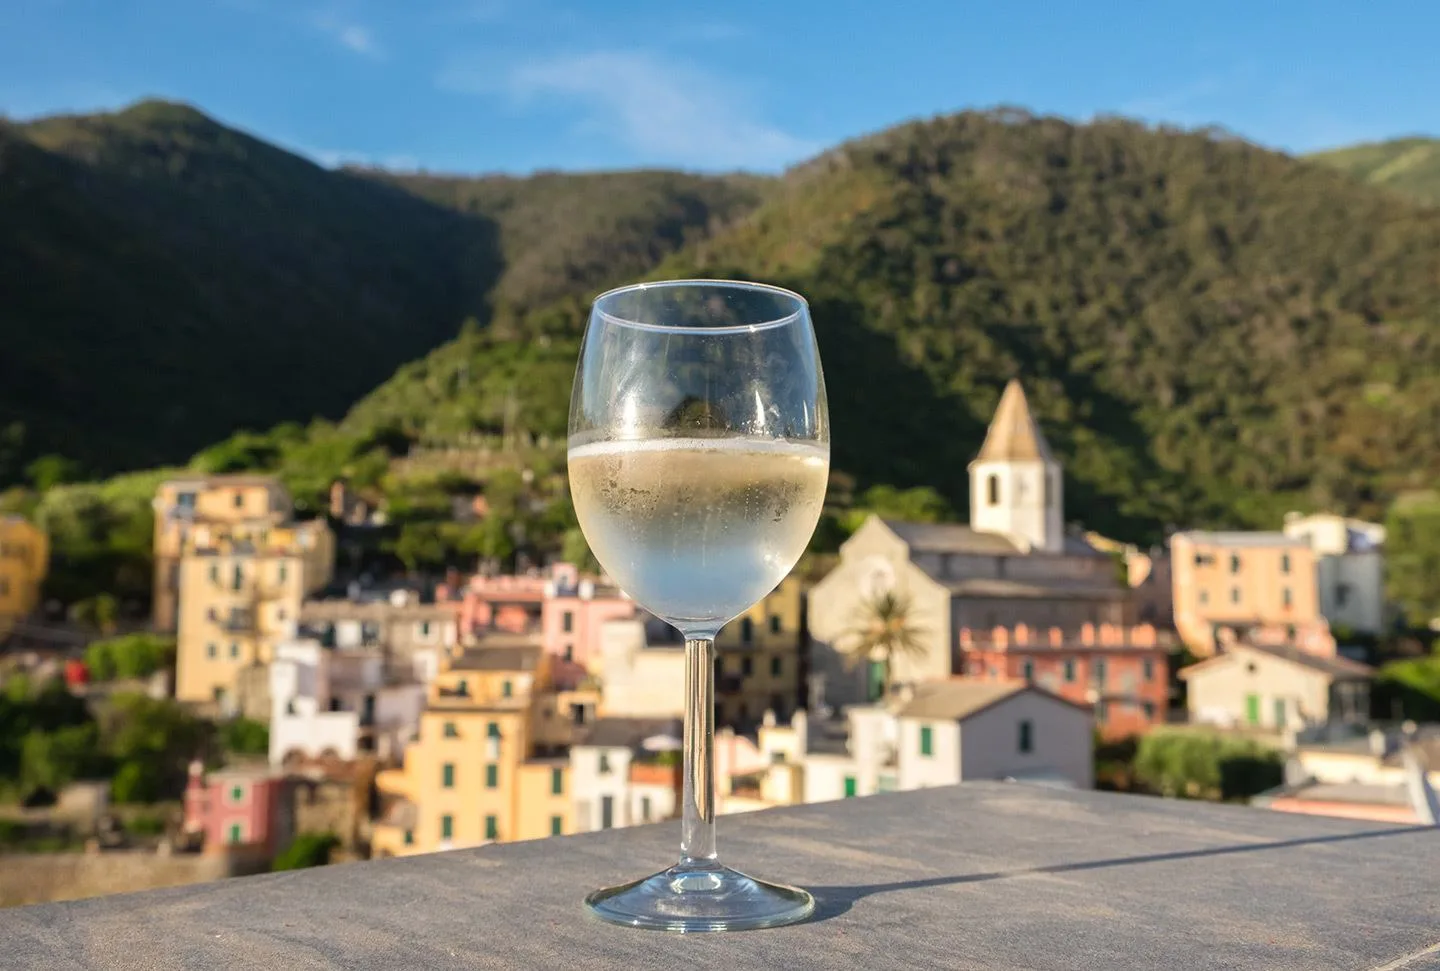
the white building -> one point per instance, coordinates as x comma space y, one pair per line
1349, 567
639, 680
625, 771
1016, 488
945, 732
341, 702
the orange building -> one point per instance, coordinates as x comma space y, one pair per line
1236, 581
1123, 672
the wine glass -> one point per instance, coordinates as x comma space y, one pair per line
699, 454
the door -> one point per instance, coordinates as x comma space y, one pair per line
607, 812
1252, 709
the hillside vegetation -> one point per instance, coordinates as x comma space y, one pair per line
1410, 166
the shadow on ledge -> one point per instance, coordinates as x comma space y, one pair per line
834, 901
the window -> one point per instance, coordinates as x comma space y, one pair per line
607, 812
645, 808
1284, 562
992, 489
447, 775
234, 651
927, 740
777, 667
1234, 595
1098, 670
212, 651
1204, 597
492, 730
1204, 559
774, 623
1027, 733
239, 500
1149, 709
849, 787
237, 794
557, 782
283, 573
451, 731
567, 621
463, 687
1342, 594
492, 776
604, 763
1102, 712
409, 837
237, 832
747, 630
215, 573
424, 628
1028, 668
747, 667
507, 689
1147, 669
1234, 563
447, 826
237, 577
1070, 670
1285, 597
557, 825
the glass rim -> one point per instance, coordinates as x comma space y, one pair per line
802, 306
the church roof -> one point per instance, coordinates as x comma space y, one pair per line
951, 538
1014, 436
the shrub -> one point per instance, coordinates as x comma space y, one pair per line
1199, 765
307, 850
245, 736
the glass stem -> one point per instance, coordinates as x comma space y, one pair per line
697, 830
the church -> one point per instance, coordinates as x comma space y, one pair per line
1015, 563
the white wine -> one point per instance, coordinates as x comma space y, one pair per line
698, 530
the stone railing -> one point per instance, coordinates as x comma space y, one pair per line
1034, 878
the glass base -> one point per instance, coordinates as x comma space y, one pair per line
691, 897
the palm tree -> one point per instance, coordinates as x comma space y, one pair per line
882, 631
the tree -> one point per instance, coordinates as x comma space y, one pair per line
307, 850
51, 760
881, 631
918, 505
576, 549
245, 736
1412, 555
1202, 765
158, 737
48, 471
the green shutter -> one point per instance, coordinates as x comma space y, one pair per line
849, 786
927, 740
492, 828
447, 775
447, 826
492, 776
557, 825
557, 782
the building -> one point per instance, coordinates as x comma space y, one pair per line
625, 771
512, 604
1235, 581
241, 591
1349, 570
931, 734
238, 812
24, 560
1017, 489
641, 663
412, 637
340, 703
249, 502
1277, 686
489, 763
1122, 672
573, 612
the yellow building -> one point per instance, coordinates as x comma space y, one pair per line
216, 502
24, 558
479, 772
759, 658
240, 590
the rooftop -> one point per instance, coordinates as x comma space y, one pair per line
1035, 878
507, 658
1238, 539
1013, 435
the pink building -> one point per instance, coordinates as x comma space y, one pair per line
238, 812
573, 613
504, 603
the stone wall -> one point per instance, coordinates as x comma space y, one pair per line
32, 878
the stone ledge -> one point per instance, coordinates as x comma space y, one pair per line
979, 876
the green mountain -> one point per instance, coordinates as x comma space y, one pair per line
1211, 332
1407, 165
165, 279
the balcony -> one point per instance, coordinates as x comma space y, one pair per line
1035, 879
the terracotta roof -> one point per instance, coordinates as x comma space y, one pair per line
1336, 667
1013, 435
959, 698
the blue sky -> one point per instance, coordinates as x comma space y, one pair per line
516, 85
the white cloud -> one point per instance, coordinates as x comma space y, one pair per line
666, 114
354, 37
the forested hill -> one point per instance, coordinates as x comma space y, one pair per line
165, 280
1211, 333
1410, 166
